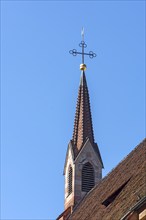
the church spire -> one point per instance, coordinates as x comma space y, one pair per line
83, 122
83, 162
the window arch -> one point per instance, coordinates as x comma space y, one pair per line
88, 181
70, 180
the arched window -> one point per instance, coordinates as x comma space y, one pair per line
87, 177
70, 180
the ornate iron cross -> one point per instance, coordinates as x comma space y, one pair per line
74, 52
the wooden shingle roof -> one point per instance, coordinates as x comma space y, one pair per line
120, 190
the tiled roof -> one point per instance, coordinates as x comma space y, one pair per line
120, 190
83, 121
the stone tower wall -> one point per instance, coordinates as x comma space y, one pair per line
87, 155
69, 199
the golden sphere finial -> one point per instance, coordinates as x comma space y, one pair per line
83, 66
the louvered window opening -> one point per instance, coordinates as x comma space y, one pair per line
70, 181
88, 181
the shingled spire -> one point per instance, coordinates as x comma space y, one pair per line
83, 162
83, 121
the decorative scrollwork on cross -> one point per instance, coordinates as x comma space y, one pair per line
74, 52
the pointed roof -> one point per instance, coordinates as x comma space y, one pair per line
83, 121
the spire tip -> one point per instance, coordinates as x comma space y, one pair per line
82, 33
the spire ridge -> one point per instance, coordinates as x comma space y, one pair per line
83, 78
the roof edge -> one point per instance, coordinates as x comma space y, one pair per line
142, 142
135, 207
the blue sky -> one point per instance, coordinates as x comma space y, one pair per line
39, 86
